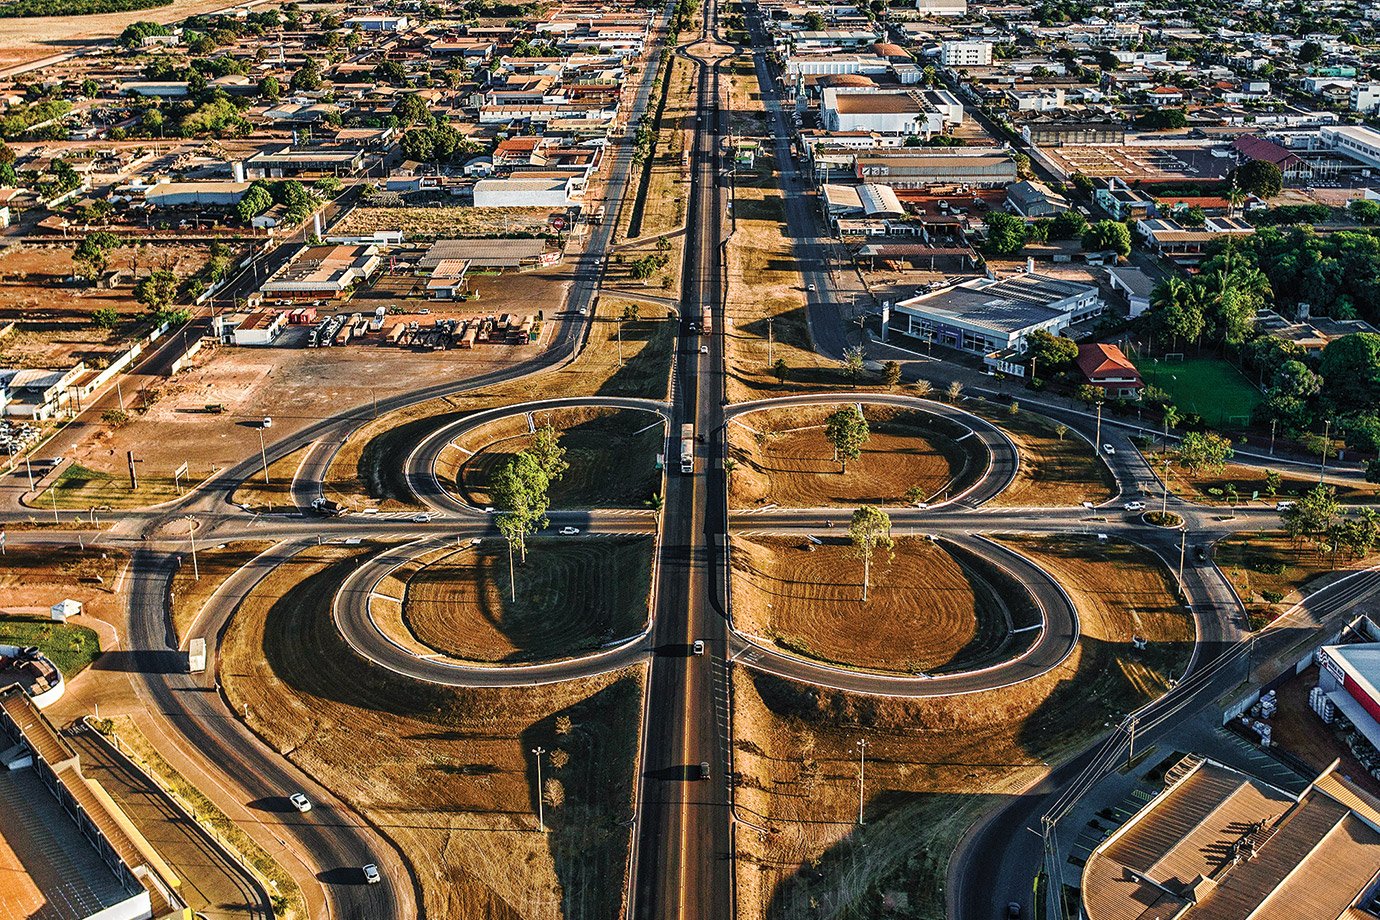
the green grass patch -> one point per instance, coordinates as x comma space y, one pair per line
72, 648
79, 488
1210, 387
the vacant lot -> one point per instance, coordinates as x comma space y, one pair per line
926, 611
1209, 387
784, 457
67, 645
446, 773
572, 594
447, 221
367, 467
1270, 573
1055, 469
933, 766
33, 578
612, 456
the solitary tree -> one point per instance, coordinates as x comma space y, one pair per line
549, 453
780, 370
923, 388
847, 431
658, 501
853, 359
157, 290
519, 490
955, 391
869, 528
891, 373
92, 255
1061, 429
1200, 451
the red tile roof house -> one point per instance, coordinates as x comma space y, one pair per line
1110, 370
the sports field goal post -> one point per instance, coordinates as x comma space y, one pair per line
1173, 357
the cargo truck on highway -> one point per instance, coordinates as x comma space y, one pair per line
687, 448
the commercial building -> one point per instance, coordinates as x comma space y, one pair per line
912, 168
1069, 133
286, 163
1365, 98
520, 253
195, 194
942, 8
32, 672
1350, 676
323, 271
528, 193
984, 315
868, 200
896, 113
1291, 165
66, 848
1135, 285
1359, 143
965, 54
1107, 368
1218, 844
1032, 199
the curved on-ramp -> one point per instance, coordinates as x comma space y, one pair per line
1058, 635
420, 466
355, 621
1003, 458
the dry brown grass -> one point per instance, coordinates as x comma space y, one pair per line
33, 578
611, 455
934, 765
1054, 471
572, 595
445, 222
368, 466
215, 563
444, 772
925, 612
784, 457
277, 493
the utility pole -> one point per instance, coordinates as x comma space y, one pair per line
263, 453
770, 341
862, 773
52, 492
1097, 441
28, 468
120, 393
1326, 442
1273, 423
1164, 481
191, 538
1183, 545
1131, 753
541, 811
133, 477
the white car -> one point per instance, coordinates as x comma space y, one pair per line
569, 531
1285, 505
300, 802
1109, 450
699, 646
810, 288
704, 349
371, 874
921, 506
1135, 506
267, 422
422, 518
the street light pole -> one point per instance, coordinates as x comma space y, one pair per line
263, 453
1097, 440
1183, 544
1322, 460
541, 811
862, 773
191, 538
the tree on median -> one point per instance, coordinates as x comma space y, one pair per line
549, 453
847, 431
869, 529
1199, 451
519, 491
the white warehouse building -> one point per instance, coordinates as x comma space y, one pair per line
897, 113
528, 193
1359, 143
983, 315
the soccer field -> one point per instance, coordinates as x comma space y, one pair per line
1210, 387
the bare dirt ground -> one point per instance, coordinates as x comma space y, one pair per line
54, 312
924, 613
24, 41
784, 457
1296, 728
597, 443
572, 595
33, 579
933, 766
446, 773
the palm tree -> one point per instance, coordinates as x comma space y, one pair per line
657, 503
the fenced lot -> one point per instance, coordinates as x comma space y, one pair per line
1210, 387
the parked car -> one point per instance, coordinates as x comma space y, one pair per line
371, 874
300, 802
267, 422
